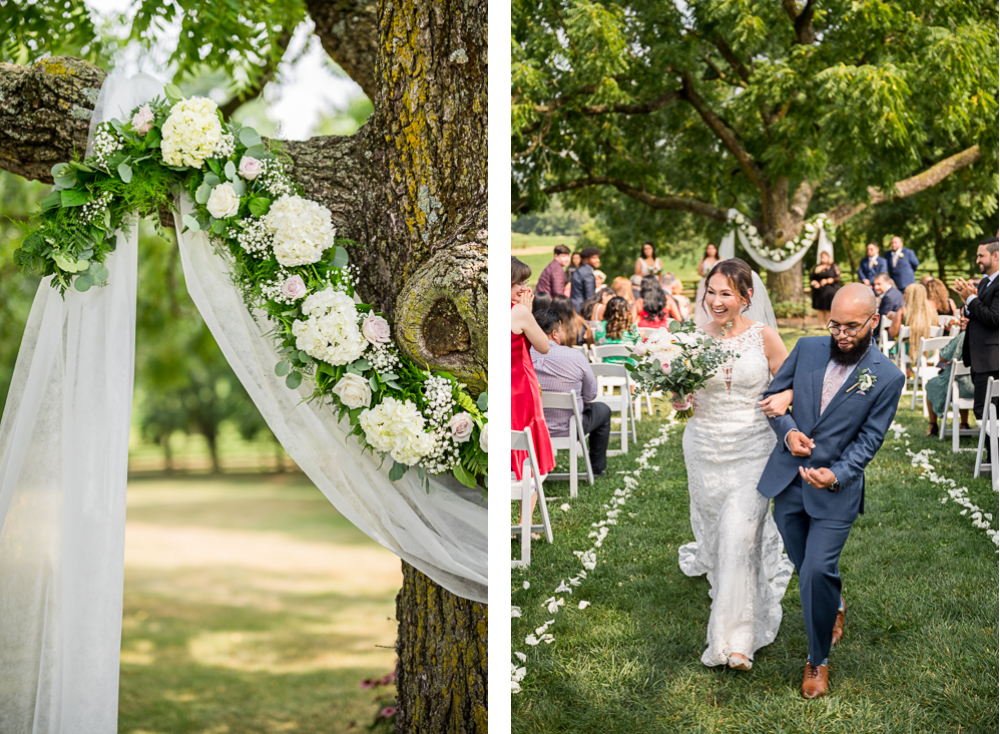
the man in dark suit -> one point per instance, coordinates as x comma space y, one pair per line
982, 339
845, 394
891, 300
902, 264
583, 284
872, 266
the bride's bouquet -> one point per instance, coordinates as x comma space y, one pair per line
680, 360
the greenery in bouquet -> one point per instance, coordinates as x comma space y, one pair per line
679, 360
284, 257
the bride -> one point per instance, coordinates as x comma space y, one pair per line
727, 442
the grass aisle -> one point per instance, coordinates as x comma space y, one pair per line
920, 647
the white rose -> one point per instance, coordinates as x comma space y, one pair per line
250, 168
376, 329
294, 287
461, 425
142, 120
353, 391
484, 437
223, 201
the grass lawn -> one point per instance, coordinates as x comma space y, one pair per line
920, 647
251, 605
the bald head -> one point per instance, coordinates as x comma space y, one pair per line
853, 303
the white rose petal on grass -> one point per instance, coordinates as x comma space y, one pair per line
564, 587
303, 230
564, 507
531, 640
520, 656
515, 612
583, 604
223, 201
527, 585
191, 132
553, 604
354, 391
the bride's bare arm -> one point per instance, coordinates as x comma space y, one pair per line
774, 349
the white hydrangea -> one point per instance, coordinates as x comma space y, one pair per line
191, 132
397, 428
331, 333
302, 230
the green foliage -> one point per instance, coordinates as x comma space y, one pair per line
49, 27
792, 309
612, 93
555, 220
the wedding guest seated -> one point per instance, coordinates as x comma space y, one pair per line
623, 288
593, 308
575, 327
938, 293
918, 313
542, 300
937, 387
563, 369
618, 326
890, 297
600, 278
674, 288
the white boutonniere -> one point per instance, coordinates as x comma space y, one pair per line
865, 381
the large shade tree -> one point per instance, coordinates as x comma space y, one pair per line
782, 110
409, 188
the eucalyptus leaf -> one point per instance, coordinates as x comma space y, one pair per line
69, 263
293, 380
191, 223
361, 364
305, 357
256, 151
389, 376
87, 254
340, 258
239, 186
212, 179
83, 283
282, 368
249, 137
394, 385
373, 383
230, 170
398, 471
482, 402
61, 169
203, 192
219, 227
125, 172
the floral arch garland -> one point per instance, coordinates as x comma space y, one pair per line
783, 257
285, 259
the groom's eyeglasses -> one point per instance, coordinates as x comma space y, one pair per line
837, 329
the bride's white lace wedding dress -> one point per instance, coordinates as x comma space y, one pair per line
726, 444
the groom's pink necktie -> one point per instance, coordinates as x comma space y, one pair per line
831, 383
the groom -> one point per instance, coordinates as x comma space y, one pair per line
845, 396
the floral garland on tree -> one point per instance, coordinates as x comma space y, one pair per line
285, 258
791, 248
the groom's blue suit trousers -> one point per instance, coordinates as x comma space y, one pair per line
814, 545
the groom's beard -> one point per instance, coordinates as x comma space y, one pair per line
853, 355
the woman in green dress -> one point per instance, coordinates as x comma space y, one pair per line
619, 327
937, 387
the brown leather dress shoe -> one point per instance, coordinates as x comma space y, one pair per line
815, 681
838, 625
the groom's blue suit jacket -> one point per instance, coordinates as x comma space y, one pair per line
847, 435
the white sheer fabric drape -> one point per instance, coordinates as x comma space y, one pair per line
63, 471
727, 249
442, 533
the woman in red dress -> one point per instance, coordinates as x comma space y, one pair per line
525, 394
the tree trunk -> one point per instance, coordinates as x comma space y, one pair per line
786, 286
442, 659
211, 438
780, 225
410, 188
168, 456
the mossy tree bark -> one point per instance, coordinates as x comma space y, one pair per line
410, 189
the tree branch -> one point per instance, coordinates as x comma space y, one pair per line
348, 30
801, 198
639, 108
910, 186
675, 203
725, 134
732, 59
805, 34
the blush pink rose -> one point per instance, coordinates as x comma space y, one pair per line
461, 425
294, 287
250, 168
376, 329
142, 120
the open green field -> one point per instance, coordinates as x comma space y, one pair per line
919, 652
251, 605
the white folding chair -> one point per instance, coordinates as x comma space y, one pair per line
575, 442
609, 377
885, 342
902, 358
925, 367
521, 490
987, 428
601, 351
994, 422
944, 320
954, 400
583, 349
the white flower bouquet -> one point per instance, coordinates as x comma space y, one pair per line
680, 360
